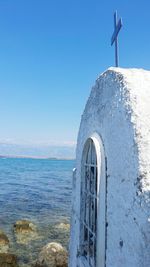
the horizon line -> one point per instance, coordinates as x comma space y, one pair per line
35, 157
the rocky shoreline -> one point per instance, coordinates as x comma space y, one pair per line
25, 234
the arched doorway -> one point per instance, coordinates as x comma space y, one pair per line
92, 204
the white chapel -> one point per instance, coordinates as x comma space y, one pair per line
110, 225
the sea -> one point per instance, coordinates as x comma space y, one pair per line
38, 190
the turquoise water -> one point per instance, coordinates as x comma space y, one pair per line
38, 190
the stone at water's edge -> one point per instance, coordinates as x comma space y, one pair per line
25, 231
52, 255
8, 260
24, 226
3, 238
4, 242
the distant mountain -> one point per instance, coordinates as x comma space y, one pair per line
43, 151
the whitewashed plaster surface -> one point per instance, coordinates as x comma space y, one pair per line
118, 109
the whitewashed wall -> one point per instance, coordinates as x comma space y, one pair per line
118, 109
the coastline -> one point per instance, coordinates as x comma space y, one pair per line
38, 191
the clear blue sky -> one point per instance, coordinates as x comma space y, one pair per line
51, 52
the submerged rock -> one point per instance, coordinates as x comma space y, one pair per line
4, 242
57, 233
63, 226
24, 265
52, 255
25, 231
8, 260
24, 226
